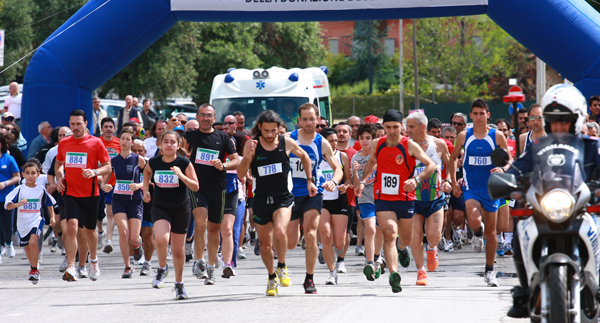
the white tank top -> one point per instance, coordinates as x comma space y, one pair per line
328, 175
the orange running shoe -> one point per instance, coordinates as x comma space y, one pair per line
432, 260
422, 277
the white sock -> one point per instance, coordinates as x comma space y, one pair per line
508, 237
500, 238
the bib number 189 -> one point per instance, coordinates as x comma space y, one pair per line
390, 183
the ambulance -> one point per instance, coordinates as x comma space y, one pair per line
278, 89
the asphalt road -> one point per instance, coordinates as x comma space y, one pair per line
456, 293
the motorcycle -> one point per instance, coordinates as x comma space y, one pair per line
558, 237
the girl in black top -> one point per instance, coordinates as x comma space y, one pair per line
172, 177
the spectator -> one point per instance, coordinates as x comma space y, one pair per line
62, 132
8, 119
12, 104
157, 128
44, 128
290, 114
593, 129
354, 122
506, 127
99, 114
192, 125
127, 113
149, 116
137, 130
241, 120
135, 102
12, 133
42, 152
459, 122
594, 108
523, 120
434, 127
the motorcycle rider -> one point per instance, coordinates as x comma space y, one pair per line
564, 111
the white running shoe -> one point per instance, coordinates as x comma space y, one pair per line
94, 270
11, 251
332, 279
490, 279
340, 267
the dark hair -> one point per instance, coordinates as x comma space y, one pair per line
523, 110
105, 120
326, 132
308, 106
54, 134
434, 123
326, 121
238, 113
537, 105
240, 141
218, 123
379, 126
33, 162
593, 98
169, 132
268, 116
127, 130
506, 122
17, 131
78, 113
366, 127
143, 102
480, 103
206, 105
153, 128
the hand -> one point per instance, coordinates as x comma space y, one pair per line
342, 189
312, 189
52, 221
457, 190
446, 187
177, 171
251, 146
410, 184
60, 184
217, 163
106, 187
22, 202
496, 170
88, 173
358, 189
51, 188
135, 186
147, 197
355, 166
329, 186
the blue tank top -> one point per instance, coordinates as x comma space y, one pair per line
477, 162
298, 174
231, 182
126, 171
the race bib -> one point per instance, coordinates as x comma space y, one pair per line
166, 179
480, 160
204, 156
390, 183
418, 170
32, 206
297, 167
269, 169
122, 187
328, 175
76, 160
112, 152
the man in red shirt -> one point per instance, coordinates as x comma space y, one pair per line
394, 157
113, 147
76, 171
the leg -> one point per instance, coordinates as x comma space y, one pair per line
227, 237
265, 236
91, 236
32, 250
70, 240
311, 223
417, 241
281, 219
293, 234
473, 210
369, 236
162, 234
489, 234
110, 222
123, 229
405, 230
135, 225
326, 234
339, 223
148, 243
213, 242
178, 252
200, 218
389, 228
433, 227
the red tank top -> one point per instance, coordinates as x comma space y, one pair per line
394, 166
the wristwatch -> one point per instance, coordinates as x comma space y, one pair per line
312, 180
418, 179
96, 172
335, 182
362, 182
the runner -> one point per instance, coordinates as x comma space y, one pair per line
113, 148
268, 157
170, 208
334, 215
479, 142
207, 148
76, 173
429, 196
127, 199
31, 199
307, 205
395, 157
139, 147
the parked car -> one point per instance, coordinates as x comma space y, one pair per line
171, 109
112, 107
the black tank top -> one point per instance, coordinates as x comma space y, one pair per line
271, 170
168, 188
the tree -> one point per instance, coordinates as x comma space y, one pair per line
16, 19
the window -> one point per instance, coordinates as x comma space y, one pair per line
390, 46
334, 45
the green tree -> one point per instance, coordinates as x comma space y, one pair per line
16, 19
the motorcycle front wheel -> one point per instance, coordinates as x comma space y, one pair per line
559, 294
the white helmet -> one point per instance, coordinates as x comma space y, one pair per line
564, 103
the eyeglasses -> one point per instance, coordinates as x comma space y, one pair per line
183, 122
230, 122
202, 115
9, 119
534, 118
460, 124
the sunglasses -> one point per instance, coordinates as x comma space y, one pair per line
321, 126
230, 122
534, 118
183, 122
9, 119
460, 124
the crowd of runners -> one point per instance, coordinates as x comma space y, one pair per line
202, 191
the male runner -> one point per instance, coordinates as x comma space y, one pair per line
113, 147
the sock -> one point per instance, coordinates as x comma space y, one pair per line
489, 268
338, 251
340, 259
332, 272
273, 276
33, 268
213, 266
375, 257
403, 250
146, 261
500, 238
308, 276
280, 264
179, 283
94, 260
479, 233
429, 248
137, 247
508, 236
422, 268
165, 267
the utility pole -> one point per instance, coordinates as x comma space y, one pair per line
415, 63
400, 61
370, 60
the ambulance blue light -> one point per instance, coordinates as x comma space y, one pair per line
324, 69
231, 69
293, 77
229, 78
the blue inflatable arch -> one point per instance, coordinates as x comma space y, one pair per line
104, 36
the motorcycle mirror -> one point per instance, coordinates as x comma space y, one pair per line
500, 185
499, 157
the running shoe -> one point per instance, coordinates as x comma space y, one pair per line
63, 267
284, 276
94, 270
101, 239
309, 287
34, 276
477, 243
253, 238
210, 280
54, 247
303, 243
241, 254
199, 269
470, 232
490, 279
70, 274
108, 248
422, 277
404, 257
189, 247
464, 237
369, 271
359, 250
395, 282
179, 291
500, 249
432, 260
508, 249
340, 267
146, 267
332, 279
272, 287
228, 271
377, 270
82, 271
161, 274
449, 247
320, 257
382, 263
40, 256
3, 251
257, 249
137, 253
11, 251
127, 273
442, 243
456, 236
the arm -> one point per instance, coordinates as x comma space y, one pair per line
338, 174
12, 181
146, 184
104, 179
460, 141
501, 142
249, 149
369, 168
430, 167
522, 138
189, 178
234, 162
104, 169
347, 173
292, 147
141, 165
445, 155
